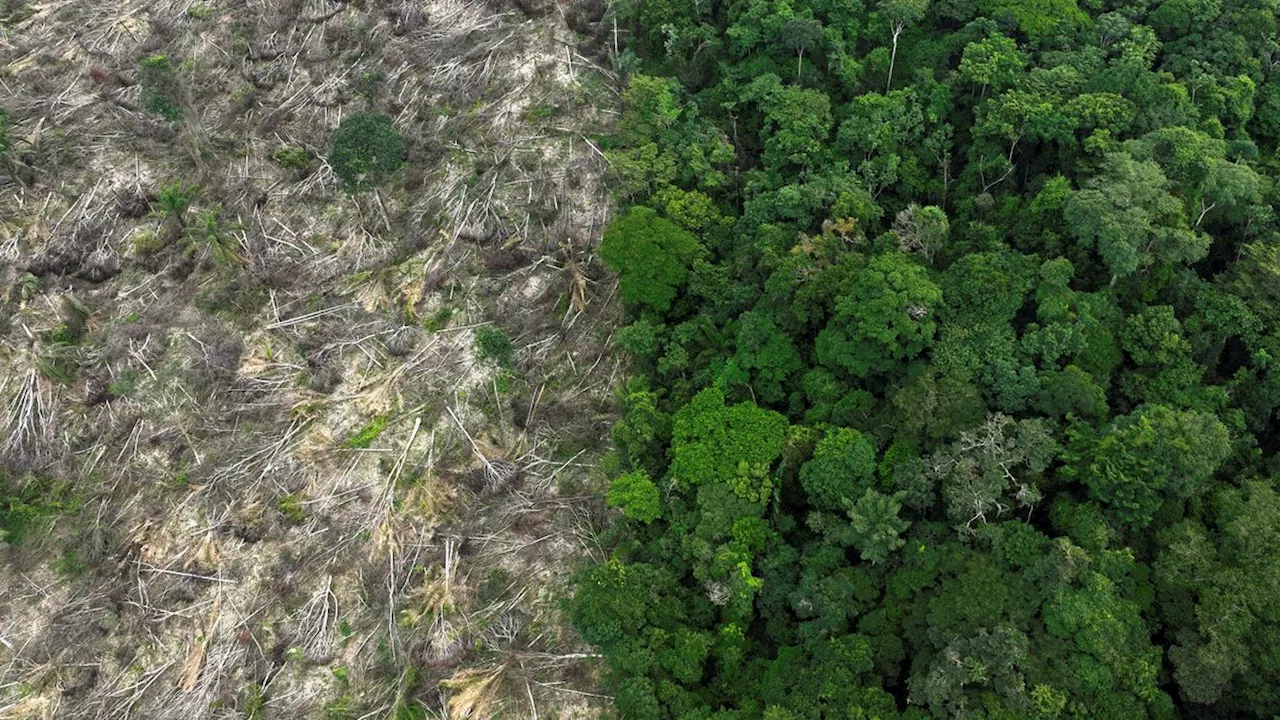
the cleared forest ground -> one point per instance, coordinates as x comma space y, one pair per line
280, 451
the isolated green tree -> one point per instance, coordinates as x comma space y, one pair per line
159, 81
365, 150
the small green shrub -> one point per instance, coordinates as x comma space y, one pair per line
60, 362
172, 202
146, 243
341, 708
206, 231
209, 232
367, 434
64, 334
27, 505
28, 286
159, 81
293, 157
365, 151
68, 565
543, 111
406, 707
493, 345
290, 506
439, 319
124, 384
4, 131
75, 317
369, 83
256, 703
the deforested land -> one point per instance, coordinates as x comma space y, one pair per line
650, 359
304, 357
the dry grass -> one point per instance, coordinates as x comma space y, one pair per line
296, 487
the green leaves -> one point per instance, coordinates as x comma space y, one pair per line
797, 122
172, 202
1152, 454
28, 503
922, 230
1128, 214
903, 11
891, 137
1037, 18
1077, 312
493, 345
843, 465
1230, 575
652, 108
994, 62
365, 150
1109, 655
636, 494
874, 526
987, 659
160, 90
888, 315
651, 254
768, 353
661, 142
734, 445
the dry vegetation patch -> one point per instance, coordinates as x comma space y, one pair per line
280, 450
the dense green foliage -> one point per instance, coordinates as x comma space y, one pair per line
493, 345
365, 150
954, 329
159, 80
28, 504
